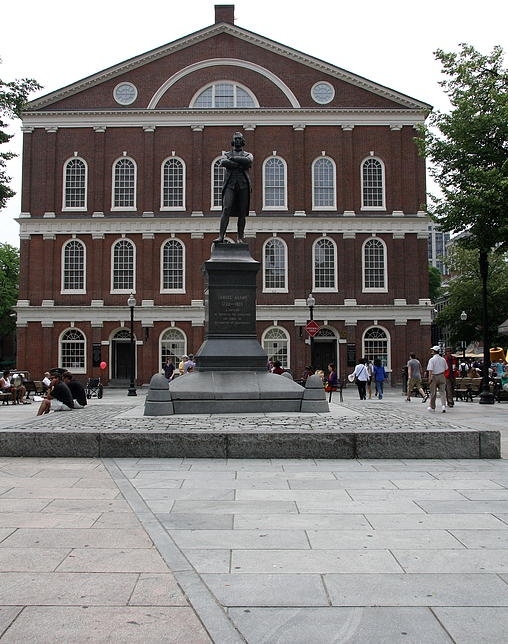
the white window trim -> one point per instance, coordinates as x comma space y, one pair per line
224, 82
124, 208
383, 178
284, 207
184, 176
333, 207
127, 291
64, 186
384, 289
388, 343
287, 338
172, 290
276, 290
212, 206
321, 289
185, 342
85, 348
72, 291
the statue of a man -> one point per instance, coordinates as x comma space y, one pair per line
236, 188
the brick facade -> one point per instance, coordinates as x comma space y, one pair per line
84, 121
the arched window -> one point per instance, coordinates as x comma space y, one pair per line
75, 184
173, 266
374, 265
218, 174
373, 184
324, 264
274, 184
275, 342
275, 265
124, 184
376, 345
173, 184
224, 95
323, 184
72, 349
173, 346
123, 267
73, 267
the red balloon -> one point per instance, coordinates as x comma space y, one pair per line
103, 365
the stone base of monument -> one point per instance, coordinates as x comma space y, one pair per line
233, 392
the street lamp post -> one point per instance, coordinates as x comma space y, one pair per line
131, 303
463, 317
311, 301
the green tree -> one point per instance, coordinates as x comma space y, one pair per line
13, 98
9, 280
434, 283
462, 295
468, 149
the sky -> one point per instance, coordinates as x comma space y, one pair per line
390, 42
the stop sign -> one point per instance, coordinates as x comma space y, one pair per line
312, 328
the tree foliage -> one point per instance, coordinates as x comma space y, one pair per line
468, 148
462, 295
13, 98
9, 280
435, 280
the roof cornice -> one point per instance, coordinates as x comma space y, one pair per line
249, 119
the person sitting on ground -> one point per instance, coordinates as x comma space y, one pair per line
77, 390
59, 397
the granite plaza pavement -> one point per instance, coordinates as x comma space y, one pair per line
193, 550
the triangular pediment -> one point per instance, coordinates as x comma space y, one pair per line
59, 99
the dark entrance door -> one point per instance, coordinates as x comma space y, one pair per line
121, 360
325, 351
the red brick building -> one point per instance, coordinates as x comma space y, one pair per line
121, 194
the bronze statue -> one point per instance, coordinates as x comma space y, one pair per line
236, 188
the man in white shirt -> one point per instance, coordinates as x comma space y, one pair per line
436, 368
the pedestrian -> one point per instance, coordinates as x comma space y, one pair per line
168, 368
308, 371
331, 380
414, 370
370, 369
450, 377
436, 368
277, 368
379, 376
361, 376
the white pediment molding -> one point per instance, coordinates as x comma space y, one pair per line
242, 34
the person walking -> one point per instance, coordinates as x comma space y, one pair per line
379, 376
361, 375
436, 368
414, 370
450, 377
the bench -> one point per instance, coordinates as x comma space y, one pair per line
463, 389
467, 388
5, 397
34, 386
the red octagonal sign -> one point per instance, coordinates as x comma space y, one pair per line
312, 328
